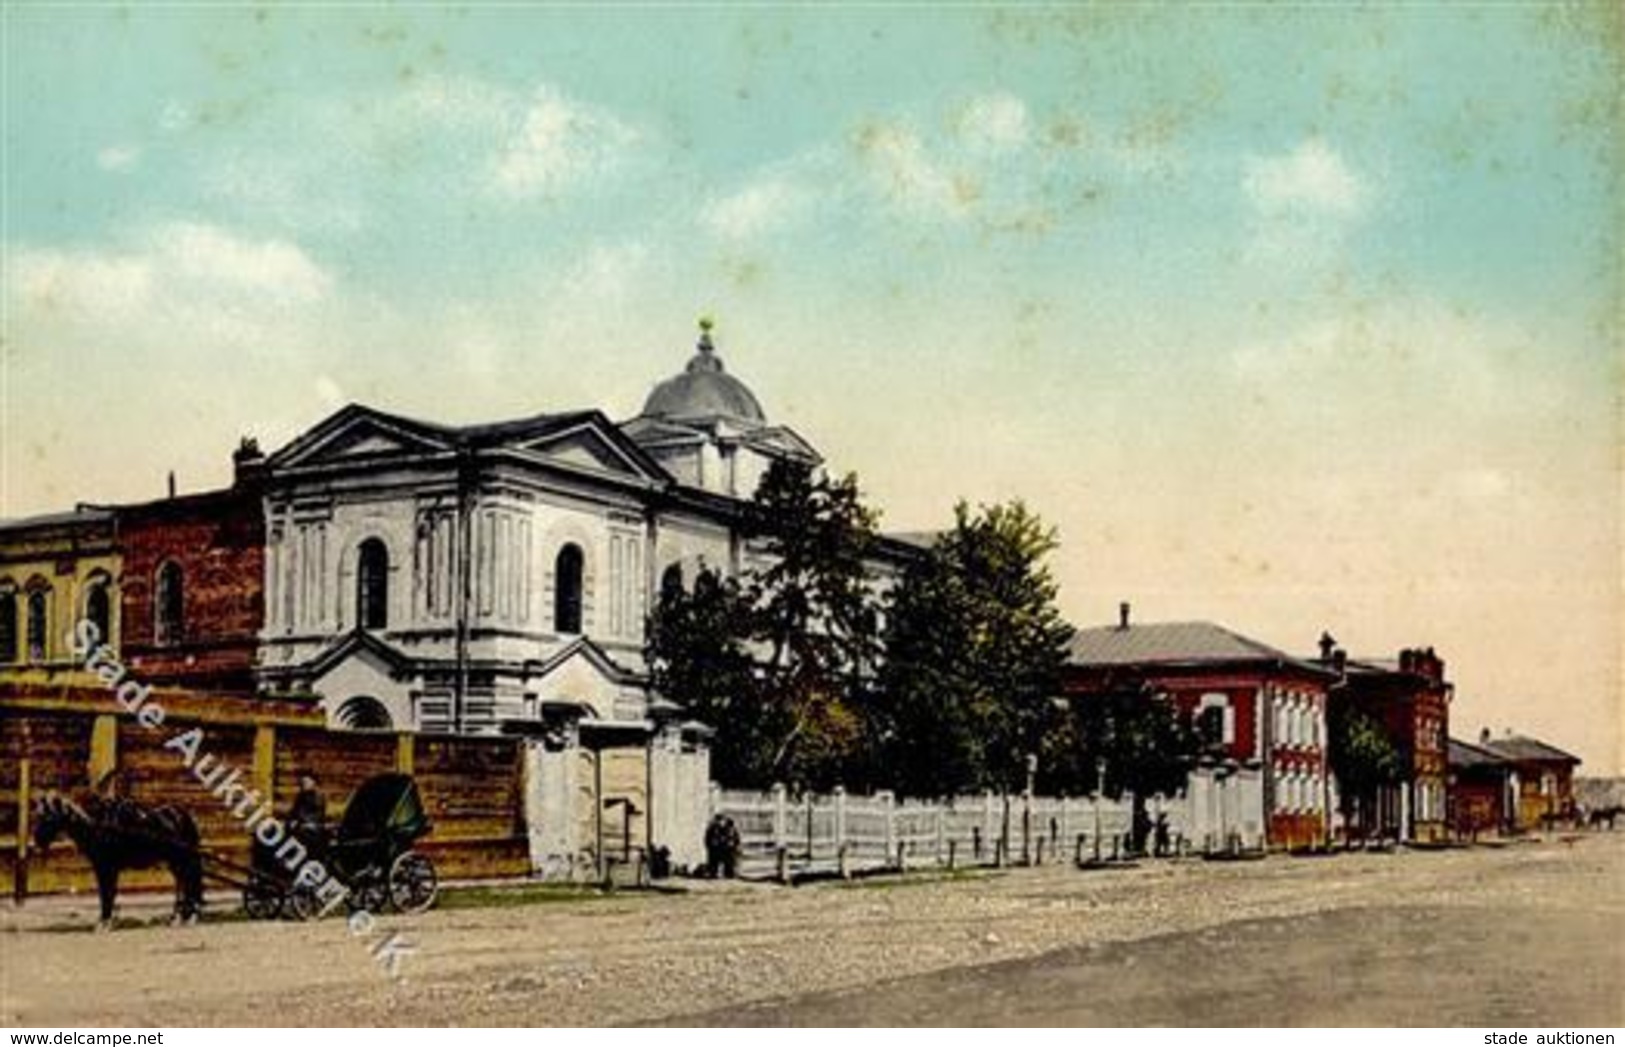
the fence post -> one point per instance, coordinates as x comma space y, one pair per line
1026, 828
811, 825
840, 832
103, 748
19, 864
886, 806
264, 769
941, 820
780, 818
990, 828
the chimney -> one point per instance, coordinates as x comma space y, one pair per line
1327, 644
1340, 660
1484, 736
172, 483
248, 461
1122, 615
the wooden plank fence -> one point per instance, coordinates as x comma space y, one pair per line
66, 738
785, 836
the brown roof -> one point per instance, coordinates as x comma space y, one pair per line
1464, 754
1175, 643
1518, 747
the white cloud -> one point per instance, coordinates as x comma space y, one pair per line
903, 170
760, 207
208, 255
995, 122
1311, 178
558, 141
118, 157
181, 282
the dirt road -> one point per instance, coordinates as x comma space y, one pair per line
1530, 933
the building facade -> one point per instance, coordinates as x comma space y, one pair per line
430, 577
1409, 697
54, 571
1542, 779
1262, 778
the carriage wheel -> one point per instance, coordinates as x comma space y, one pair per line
299, 904
412, 883
261, 901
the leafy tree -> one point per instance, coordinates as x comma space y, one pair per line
815, 618
778, 661
1137, 738
697, 650
1363, 757
974, 648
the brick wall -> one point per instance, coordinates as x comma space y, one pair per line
218, 541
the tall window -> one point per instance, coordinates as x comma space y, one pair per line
567, 590
36, 625
372, 585
99, 611
8, 626
169, 605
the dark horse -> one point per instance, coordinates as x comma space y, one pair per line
115, 835
1599, 815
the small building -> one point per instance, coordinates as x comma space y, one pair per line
1482, 787
1542, 778
54, 570
1262, 779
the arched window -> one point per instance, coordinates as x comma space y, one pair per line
567, 590
37, 624
364, 713
372, 585
169, 605
8, 625
99, 610
671, 582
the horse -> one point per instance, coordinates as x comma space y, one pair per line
120, 834
1598, 815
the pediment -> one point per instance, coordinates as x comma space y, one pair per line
782, 441
359, 433
591, 447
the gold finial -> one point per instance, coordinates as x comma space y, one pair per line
707, 323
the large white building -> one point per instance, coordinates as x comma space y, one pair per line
430, 577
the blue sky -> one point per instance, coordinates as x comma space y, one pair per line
1291, 317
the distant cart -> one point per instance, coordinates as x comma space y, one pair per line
370, 852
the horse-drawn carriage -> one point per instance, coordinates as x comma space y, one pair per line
370, 852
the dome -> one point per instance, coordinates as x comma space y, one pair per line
704, 390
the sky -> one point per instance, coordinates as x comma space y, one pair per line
1291, 318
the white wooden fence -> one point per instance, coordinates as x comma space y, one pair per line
784, 836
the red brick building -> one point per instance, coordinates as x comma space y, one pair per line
192, 585
1410, 698
1262, 780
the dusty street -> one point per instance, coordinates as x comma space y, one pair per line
1525, 934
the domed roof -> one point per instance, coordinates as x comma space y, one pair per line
704, 390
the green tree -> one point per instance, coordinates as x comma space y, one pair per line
1124, 741
778, 662
697, 648
1363, 757
975, 647
815, 615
